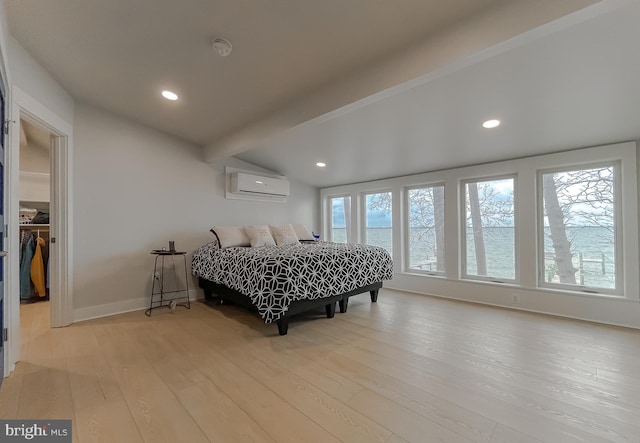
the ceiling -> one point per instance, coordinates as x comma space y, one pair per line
571, 84
120, 54
373, 88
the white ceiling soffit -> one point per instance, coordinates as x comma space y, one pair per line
572, 83
490, 26
119, 54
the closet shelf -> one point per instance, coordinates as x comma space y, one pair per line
35, 225
29, 202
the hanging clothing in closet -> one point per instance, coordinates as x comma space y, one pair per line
37, 268
34, 254
27, 250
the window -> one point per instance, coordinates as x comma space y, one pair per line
425, 233
340, 208
579, 241
378, 225
489, 235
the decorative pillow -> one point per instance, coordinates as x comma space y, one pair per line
303, 233
230, 236
284, 235
259, 236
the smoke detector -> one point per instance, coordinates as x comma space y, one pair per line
221, 46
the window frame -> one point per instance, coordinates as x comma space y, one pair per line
363, 212
462, 233
329, 218
618, 290
526, 293
407, 230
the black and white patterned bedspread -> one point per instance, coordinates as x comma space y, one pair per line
274, 276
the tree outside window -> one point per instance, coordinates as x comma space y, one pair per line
490, 229
341, 219
579, 243
425, 212
378, 219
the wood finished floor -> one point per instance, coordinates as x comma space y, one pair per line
406, 369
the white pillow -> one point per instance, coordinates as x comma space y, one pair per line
284, 235
230, 236
303, 233
259, 236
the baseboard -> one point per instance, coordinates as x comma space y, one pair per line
108, 309
615, 311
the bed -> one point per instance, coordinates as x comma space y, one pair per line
282, 281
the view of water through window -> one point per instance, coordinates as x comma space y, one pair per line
489, 221
378, 219
579, 221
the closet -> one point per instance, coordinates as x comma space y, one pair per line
34, 193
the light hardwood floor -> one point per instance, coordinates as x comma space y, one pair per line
406, 369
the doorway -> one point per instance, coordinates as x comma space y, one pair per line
26, 108
34, 193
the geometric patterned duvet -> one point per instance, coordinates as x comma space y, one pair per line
274, 276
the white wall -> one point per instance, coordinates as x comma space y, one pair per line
136, 189
32, 78
4, 38
34, 158
34, 173
34, 187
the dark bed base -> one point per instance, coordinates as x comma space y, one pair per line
372, 289
218, 293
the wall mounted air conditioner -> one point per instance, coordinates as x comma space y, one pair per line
258, 185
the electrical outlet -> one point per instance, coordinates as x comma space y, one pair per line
515, 298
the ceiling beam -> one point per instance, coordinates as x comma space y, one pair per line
470, 41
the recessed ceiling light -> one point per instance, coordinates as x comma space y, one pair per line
490, 124
321, 164
170, 95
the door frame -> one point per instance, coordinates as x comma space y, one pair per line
6, 82
24, 106
8, 96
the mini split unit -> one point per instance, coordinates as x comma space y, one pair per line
258, 185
